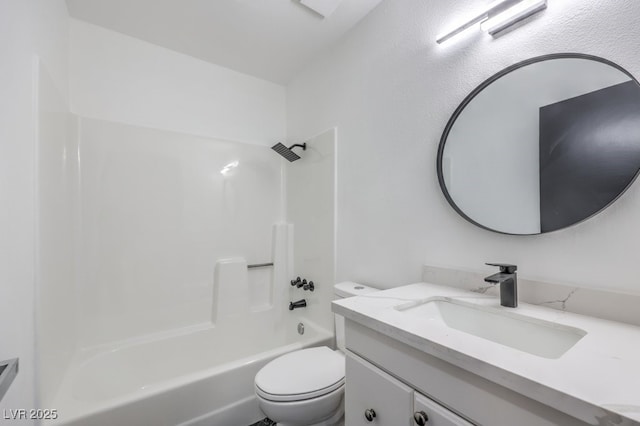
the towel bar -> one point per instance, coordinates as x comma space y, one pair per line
259, 265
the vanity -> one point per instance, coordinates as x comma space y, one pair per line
542, 145
427, 354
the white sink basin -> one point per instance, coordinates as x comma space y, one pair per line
534, 336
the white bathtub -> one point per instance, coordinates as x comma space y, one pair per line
202, 376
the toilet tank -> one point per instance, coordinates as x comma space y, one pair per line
341, 291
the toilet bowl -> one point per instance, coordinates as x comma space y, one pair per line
306, 387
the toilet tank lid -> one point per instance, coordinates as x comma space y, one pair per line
349, 288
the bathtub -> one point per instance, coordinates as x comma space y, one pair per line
197, 376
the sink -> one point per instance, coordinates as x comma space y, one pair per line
534, 336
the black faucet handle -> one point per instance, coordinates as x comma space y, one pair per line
505, 267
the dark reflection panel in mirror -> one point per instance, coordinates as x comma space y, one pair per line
578, 178
542, 145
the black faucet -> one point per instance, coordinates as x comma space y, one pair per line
299, 304
508, 281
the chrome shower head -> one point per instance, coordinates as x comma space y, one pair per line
286, 152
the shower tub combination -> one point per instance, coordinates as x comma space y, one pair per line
201, 376
146, 335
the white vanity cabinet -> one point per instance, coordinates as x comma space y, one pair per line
374, 397
491, 365
395, 381
372, 393
434, 414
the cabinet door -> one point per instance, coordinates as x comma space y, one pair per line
369, 388
435, 414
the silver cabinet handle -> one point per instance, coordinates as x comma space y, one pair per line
369, 414
421, 418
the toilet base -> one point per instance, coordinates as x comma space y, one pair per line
327, 410
336, 420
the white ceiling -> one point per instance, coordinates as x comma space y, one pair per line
270, 39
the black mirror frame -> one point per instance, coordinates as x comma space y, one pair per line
483, 86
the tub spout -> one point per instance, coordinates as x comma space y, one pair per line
299, 304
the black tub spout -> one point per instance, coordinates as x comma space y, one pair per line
299, 304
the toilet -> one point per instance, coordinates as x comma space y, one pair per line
306, 387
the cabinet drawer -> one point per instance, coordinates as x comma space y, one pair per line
369, 388
436, 414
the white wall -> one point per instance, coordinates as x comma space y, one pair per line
390, 89
122, 79
27, 28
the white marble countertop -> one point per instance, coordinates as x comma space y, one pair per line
597, 380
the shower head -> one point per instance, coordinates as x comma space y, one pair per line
286, 152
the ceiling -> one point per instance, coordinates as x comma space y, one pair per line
269, 39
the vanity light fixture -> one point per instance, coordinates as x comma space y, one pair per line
514, 14
498, 16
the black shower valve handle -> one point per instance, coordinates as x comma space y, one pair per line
302, 283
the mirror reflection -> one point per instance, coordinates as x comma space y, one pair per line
542, 145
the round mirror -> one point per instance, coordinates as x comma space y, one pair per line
542, 145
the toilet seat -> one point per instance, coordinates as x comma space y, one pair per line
299, 396
301, 375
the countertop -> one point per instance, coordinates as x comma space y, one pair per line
597, 380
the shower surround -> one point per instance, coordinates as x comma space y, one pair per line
159, 209
162, 306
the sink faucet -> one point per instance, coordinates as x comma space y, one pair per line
508, 284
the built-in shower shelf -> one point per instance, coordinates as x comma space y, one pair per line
8, 372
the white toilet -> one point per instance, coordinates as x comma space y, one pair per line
306, 387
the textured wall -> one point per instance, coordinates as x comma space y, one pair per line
390, 89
